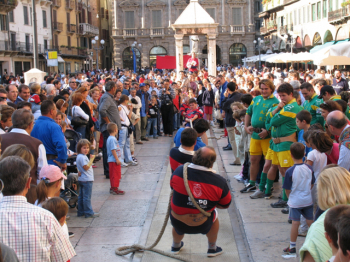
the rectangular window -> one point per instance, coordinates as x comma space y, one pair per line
308, 13
30, 16
257, 25
156, 18
102, 12
330, 5
3, 23
313, 10
129, 19
25, 15
27, 43
44, 19
11, 17
295, 18
45, 44
324, 8
319, 10
68, 41
211, 12
236, 16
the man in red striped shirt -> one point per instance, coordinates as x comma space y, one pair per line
210, 191
184, 153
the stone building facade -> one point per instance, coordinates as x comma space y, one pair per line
145, 26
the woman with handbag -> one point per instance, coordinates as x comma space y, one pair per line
125, 112
78, 113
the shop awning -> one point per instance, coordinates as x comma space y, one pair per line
60, 59
319, 47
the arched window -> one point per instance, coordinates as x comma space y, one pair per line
128, 58
236, 53
156, 50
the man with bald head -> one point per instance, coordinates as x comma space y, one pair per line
210, 192
337, 124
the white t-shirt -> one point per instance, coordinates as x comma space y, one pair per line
319, 161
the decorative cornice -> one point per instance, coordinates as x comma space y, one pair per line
209, 2
156, 3
181, 2
129, 3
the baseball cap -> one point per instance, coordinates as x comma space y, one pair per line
51, 173
142, 84
325, 89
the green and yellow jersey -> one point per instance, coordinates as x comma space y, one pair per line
313, 106
337, 97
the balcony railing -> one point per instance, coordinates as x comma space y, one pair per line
339, 16
56, 26
237, 29
88, 30
263, 30
271, 26
283, 30
78, 6
72, 51
70, 4
234, 29
130, 32
71, 28
7, 5
157, 31
56, 3
8, 46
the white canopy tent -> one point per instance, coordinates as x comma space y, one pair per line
338, 54
34, 75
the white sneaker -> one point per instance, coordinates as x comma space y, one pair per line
133, 163
212, 124
100, 154
239, 176
124, 164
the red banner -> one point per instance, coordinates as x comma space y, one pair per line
169, 62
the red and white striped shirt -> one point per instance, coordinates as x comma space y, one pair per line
32, 232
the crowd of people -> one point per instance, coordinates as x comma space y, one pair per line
291, 124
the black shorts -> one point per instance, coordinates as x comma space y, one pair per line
181, 228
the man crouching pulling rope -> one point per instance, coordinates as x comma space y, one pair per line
209, 190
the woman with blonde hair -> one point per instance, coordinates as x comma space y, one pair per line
333, 188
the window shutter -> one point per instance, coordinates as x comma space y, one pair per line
11, 18
25, 13
129, 19
330, 5
44, 19
156, 18
89, 18
236, 16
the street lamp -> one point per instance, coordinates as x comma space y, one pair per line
97, 48
139, 47
291, 42
259, 45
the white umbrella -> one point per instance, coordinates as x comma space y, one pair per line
338, 54
268, 56
303, 57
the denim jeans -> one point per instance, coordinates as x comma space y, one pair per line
124, 143
84, 199
177, 121
152, 122
81, 130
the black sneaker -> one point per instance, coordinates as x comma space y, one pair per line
176, 250
290, 251
71, 234
214, 253
285, 210
280, 204
268, 196
248, 188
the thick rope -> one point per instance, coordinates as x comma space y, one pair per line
122, 251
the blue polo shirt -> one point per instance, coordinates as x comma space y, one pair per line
51, 135
177, 140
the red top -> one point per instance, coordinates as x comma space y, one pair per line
176, 102
333, 157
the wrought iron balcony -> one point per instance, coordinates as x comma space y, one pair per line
56, 3
339, 16
88, 29
70, 4
71, 28
56, 26
263, 30
7, 5
72, 51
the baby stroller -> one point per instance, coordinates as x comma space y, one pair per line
71, 192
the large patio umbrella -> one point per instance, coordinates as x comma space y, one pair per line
338, 54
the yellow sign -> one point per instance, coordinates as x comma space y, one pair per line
52, 55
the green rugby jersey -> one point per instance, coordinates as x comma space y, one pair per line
285, 124
313, 106
337, 97
257, 111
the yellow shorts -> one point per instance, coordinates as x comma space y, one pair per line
282, 159
269, 155
258, 147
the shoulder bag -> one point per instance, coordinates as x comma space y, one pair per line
131, 127
78, 121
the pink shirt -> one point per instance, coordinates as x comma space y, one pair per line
333, 157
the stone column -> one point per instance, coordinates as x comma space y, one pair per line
179, 53
211, 54
115, 15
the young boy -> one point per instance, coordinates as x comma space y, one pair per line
330, 226
113, 152
303, 120
298, 182
59, 208
344, 237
